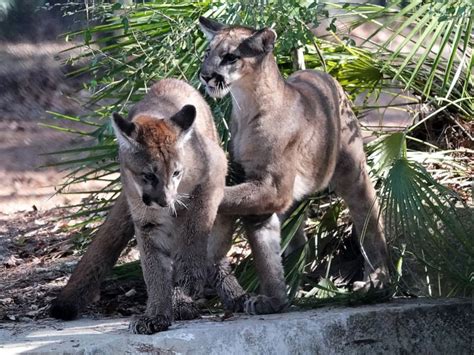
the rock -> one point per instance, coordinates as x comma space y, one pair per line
131, 293
397, 327
12, 261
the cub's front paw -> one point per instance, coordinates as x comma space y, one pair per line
262, 304
185, 310
148, 325
184, 307
237, 304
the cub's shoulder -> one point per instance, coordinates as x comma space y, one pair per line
310, 76
176, 88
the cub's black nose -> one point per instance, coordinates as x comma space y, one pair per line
146, 200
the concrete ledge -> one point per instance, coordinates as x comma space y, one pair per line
397, 327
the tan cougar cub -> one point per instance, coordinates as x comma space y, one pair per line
291, 138
173, 175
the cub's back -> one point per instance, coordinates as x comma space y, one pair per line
168, 96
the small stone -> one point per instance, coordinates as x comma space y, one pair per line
12, 261
131, 293
6, 300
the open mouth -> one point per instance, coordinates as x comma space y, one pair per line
218, 91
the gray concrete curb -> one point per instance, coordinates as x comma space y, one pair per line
398, 327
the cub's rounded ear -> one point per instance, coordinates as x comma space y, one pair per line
210, 27
122, 125
261, 42
124, 129
185, 117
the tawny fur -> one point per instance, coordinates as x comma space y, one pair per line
292, 138
172, 241
183, 157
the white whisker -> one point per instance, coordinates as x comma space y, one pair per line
173, 209
181, 203
235, 100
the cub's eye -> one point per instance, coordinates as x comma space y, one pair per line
149, 177
229, 58
177, 173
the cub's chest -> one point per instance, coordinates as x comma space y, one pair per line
159, 227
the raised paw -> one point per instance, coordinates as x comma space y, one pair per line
262, 304
148, 325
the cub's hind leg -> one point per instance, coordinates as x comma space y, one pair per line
263, 233
101, 255
231, 294
352, 183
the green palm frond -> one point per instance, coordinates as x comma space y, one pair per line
429, 48
424, 215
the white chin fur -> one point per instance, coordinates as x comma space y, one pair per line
217, 93
155, 206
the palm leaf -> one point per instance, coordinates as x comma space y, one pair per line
439, 63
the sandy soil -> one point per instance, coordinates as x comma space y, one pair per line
32, 82
26, 184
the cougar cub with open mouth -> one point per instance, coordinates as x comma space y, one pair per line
291, 138
173, 175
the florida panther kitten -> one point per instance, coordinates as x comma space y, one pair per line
173, 175
292, 138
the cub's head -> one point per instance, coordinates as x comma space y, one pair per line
151, 154
234, 53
